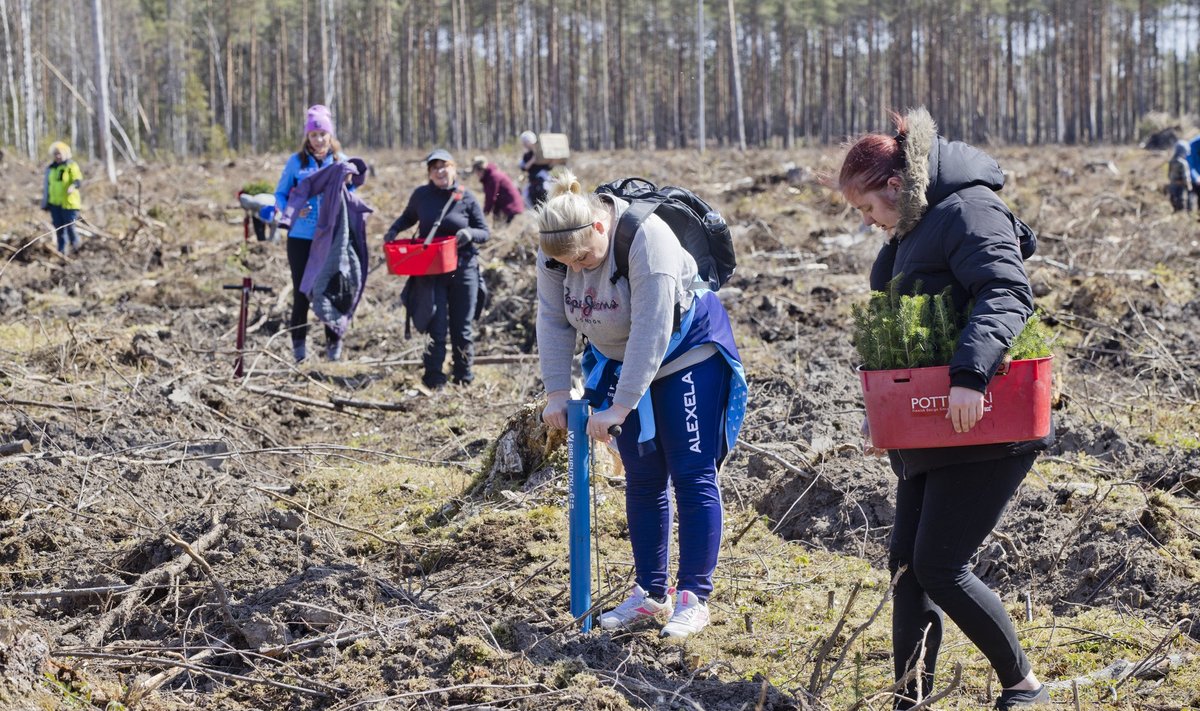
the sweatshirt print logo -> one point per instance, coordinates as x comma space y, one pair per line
690, 420
588, 304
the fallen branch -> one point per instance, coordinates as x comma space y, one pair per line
479, 360
52, 405
780, 460
1152, 660
128, 659
222, 595
368, 404
610, 596
512, 591
153, 578
430, 692
814, 682
334, 403
332, 450
931, 700
74, 592
21, 446
333, 639
140, 687
324, 404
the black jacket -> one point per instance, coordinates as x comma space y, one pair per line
427, 202
955, 231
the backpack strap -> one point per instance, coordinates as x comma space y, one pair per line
627, 228
631, 221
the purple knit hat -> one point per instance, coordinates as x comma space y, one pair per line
318, 119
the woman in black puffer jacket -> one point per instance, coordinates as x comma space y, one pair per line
936, 201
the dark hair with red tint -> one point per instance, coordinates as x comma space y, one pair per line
874, 159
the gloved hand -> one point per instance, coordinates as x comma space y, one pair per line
464, 236
389, 236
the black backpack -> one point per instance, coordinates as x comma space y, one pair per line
698, 227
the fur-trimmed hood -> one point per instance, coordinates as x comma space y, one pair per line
936, 168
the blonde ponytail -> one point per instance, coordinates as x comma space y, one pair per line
564, 219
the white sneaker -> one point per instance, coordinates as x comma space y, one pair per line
690, 616
637, 607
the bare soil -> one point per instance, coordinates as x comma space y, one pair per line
359, 542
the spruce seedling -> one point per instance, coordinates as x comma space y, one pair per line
894, 331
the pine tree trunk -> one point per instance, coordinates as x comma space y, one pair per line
606, 126
737, 78
700, 108
176, 76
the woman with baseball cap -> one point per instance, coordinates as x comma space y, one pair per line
444, 304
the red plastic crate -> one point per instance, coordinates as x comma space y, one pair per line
906, 409
413, 258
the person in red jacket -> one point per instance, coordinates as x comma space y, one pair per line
500, 195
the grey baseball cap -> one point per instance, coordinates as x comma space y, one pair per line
439, 154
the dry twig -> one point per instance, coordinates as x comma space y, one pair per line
222, 595
151, 579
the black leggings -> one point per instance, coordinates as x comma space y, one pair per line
297, 254
942, 517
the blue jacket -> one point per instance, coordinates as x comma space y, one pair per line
293, 173
1193, 158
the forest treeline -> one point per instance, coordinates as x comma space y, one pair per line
207, 76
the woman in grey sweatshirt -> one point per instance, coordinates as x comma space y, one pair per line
662, 346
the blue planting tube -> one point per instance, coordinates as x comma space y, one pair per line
579, 511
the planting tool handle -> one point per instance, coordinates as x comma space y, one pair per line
579, 514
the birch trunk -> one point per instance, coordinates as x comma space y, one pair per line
102, 110
14, 99
27, 80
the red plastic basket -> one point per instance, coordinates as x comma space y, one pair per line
413, 258
906, 409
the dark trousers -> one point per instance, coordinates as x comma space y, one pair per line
942, 517
64, 227
297, 253
455, 296
1181, 196
689, 417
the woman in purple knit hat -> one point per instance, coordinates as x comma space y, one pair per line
319, 149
